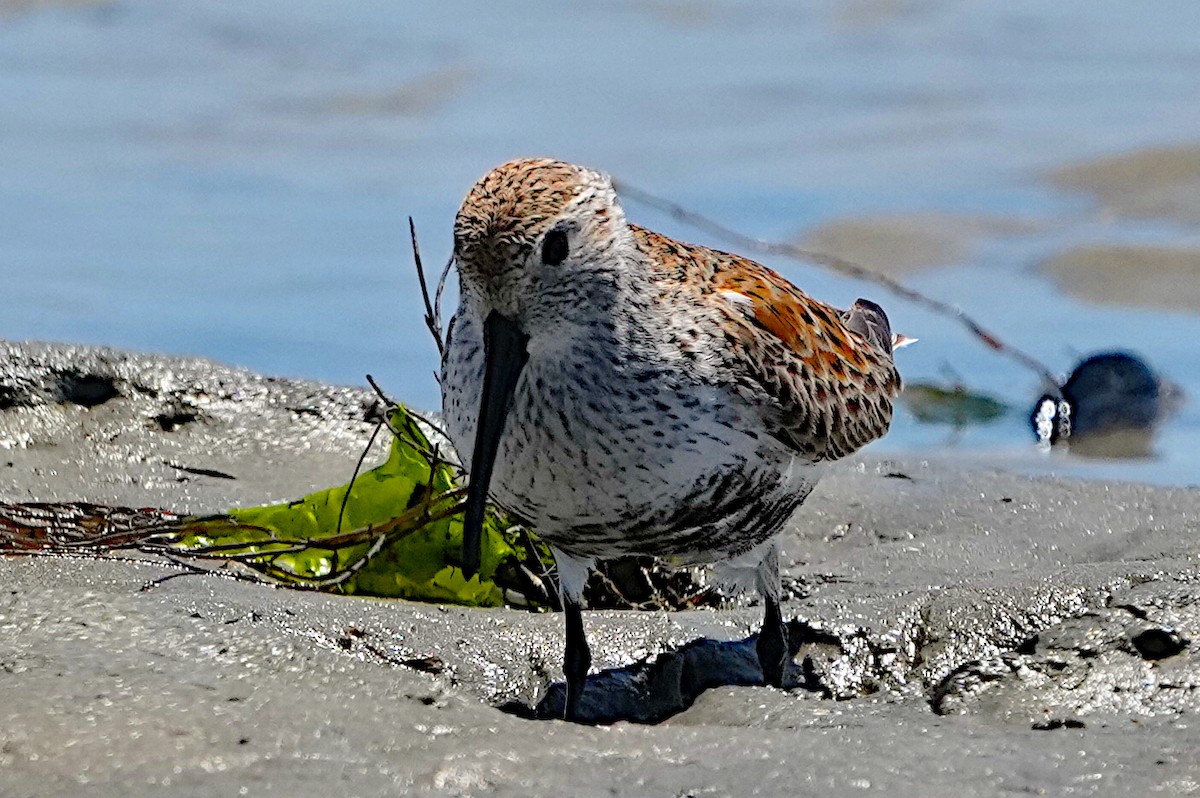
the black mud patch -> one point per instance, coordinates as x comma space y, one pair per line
173, 419
1058, 723
86, 390
1158, 643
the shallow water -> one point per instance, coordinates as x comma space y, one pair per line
231, 178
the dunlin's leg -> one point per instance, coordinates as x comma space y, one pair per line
577, 659
772, 643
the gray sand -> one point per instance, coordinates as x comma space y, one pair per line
1158, 183
963, 633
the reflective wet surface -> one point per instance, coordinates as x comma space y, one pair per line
231, 179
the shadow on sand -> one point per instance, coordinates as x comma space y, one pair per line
651, 691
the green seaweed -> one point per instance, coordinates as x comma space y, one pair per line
956, 406
395, 531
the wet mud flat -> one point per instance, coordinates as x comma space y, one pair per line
956, 632
1154, 184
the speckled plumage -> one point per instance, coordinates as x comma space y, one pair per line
673, 400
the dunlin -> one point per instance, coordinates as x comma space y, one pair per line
627, 393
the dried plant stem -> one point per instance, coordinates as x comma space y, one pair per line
432, 314
357, 469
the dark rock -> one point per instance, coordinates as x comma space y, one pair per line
1112, 404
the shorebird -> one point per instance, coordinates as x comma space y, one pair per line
627, 393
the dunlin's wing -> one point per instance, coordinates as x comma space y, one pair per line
825, 389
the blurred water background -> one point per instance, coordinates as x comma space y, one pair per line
231, 178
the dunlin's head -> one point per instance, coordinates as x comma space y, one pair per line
535, 238
537, 243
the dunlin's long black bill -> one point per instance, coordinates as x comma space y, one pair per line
505, 350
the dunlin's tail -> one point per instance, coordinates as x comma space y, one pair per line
868, 320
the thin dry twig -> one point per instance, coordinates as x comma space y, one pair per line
433, 318
432, 455
441, 289
846, 267
192, 569
383, 397
433, 308
412, 516
336, 576
357, 469
545, 577
387, 535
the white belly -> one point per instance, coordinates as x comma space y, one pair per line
603, 461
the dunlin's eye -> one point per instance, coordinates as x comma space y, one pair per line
554, 248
